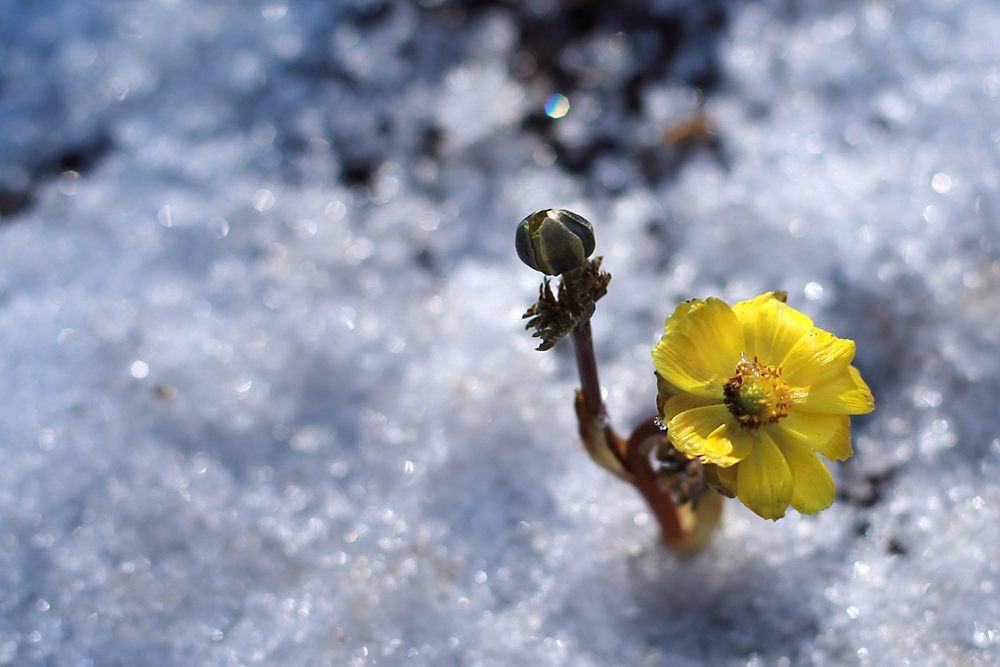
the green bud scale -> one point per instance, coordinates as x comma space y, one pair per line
554, 241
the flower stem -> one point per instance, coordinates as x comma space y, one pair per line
583, 343
660, 501
631, 453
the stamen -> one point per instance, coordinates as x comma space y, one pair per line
756, 395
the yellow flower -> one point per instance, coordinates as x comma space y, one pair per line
753, 392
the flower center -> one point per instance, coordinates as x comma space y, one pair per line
756, 395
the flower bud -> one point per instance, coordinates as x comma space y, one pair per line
554, 241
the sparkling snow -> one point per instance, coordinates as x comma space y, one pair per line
268, 396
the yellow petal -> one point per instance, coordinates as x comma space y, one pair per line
815, 430
729, 444
684, 402
824, 433
679, 362
812, 486
845, 393
728, 478
839, 448
770, 328
665, 390
764, 481
815, 357
679, 320
713, 326
714, 479
707, 432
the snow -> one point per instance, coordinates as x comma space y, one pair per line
268, 396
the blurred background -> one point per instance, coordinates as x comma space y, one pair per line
267, 396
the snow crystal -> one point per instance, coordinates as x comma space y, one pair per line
268, 395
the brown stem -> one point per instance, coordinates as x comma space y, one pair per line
659, 500
630, 454
590, 387
583, 343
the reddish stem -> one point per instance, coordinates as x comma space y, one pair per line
659, 500
629, 453
583, 343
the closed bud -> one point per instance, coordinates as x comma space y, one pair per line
554, 241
